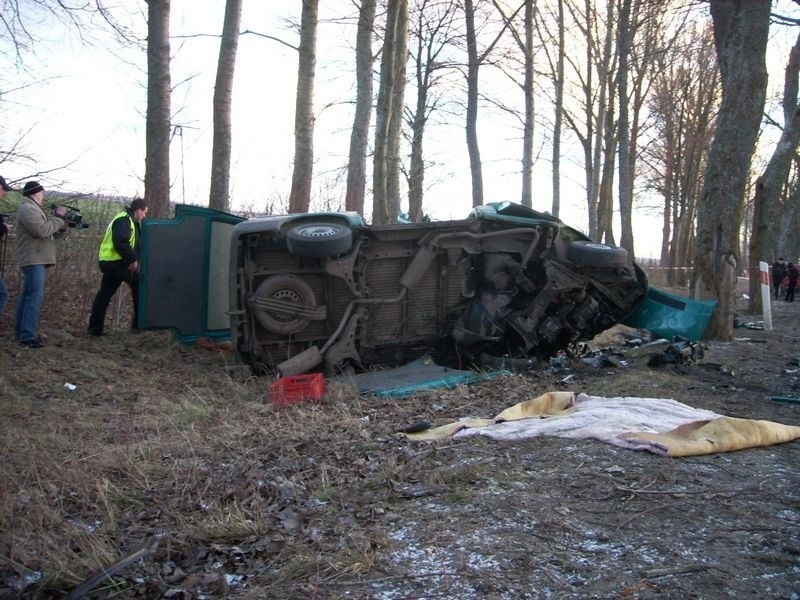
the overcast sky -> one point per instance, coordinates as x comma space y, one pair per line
82, 117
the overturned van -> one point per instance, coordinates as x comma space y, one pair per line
329, 292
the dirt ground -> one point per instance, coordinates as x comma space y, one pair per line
159, 456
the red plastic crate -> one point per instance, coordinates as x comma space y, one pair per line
296, 388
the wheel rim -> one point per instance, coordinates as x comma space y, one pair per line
318, 231
288, 295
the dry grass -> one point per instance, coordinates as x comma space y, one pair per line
156, 442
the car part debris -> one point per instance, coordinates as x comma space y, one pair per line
679, 351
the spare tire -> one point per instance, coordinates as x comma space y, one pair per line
592, 254
319, 239
282, 319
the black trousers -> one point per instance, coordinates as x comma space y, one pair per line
112, 279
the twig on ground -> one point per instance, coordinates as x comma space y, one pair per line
678, 570
104, 573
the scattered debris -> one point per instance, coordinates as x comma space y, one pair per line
566, 380
515, 365
738, 323
679, 351
725, 370
785, 399
637, 338
604, 358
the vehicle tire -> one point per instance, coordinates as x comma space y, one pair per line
319, 239
287, 288
592, 254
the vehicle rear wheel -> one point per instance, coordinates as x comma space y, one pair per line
592, 254
319, 239
280, 301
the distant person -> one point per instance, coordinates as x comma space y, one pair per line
4, 229
778, 273
119, 263
792, 273
36, 250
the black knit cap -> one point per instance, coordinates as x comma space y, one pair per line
137, 204
31, 187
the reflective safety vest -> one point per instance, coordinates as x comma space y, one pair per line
107, 250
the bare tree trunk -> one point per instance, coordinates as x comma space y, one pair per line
300, 196
398, 103
156, 169
773, 180
416, 168
527, 134
219, 193
357, 162
559, 110
385, 162
473, 65
605, 194
624, 39
740, 34
604, 78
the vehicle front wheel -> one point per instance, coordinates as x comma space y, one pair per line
319, 239
592, 254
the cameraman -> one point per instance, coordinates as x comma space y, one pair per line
119, 262
36, 250
3, 233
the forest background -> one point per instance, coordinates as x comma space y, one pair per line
602, 113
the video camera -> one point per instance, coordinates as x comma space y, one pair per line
70, 214
5, 218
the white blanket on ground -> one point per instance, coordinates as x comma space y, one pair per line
603, 419
660, 425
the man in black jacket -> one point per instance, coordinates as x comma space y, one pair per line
119, 263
